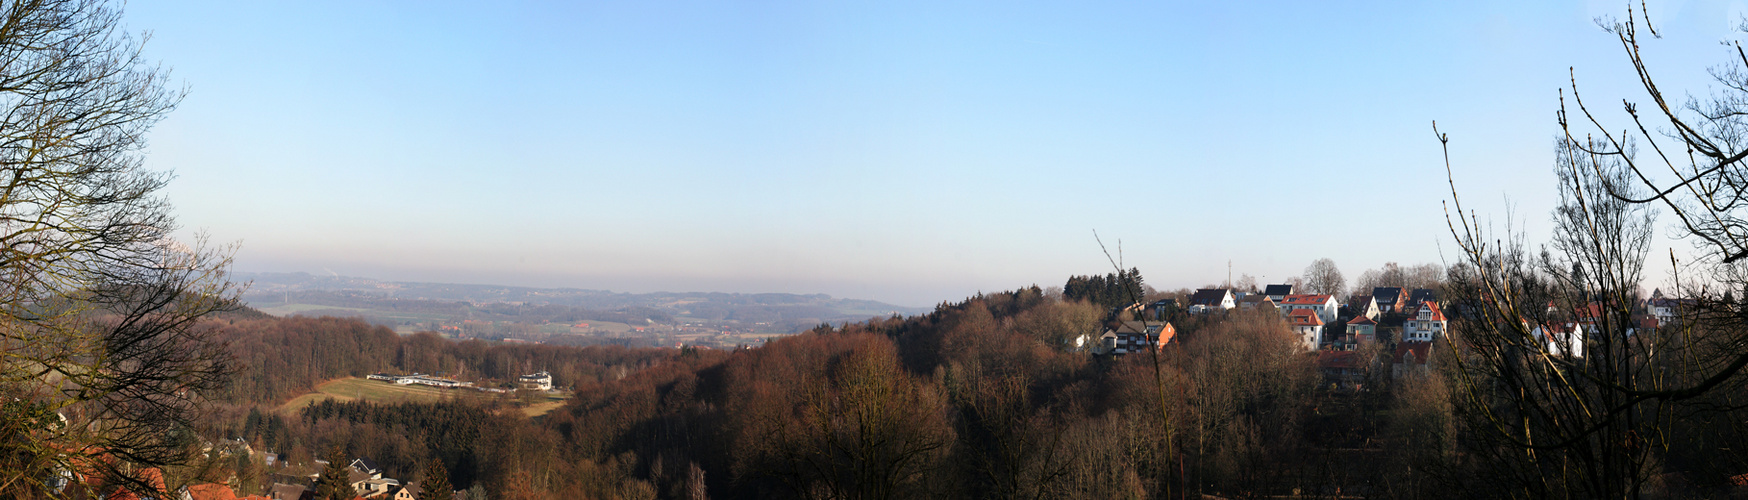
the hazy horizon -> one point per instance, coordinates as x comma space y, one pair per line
910, 153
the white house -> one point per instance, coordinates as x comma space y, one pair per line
1363, 305
1309, 327
1323, 305
538, 381
1566, 339
1208, 300
1424, 324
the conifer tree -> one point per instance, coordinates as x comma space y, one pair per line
436, 485
334, 484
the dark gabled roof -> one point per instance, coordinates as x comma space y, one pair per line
1209, 297
366, 465
1386, 294
1286, 289
1423, 295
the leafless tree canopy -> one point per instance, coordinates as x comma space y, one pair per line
98, 305
1573, 388
1322, 277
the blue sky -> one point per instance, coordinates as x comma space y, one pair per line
912, 152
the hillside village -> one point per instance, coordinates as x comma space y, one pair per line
1409, 324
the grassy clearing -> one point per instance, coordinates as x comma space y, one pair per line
544, 407
352, 388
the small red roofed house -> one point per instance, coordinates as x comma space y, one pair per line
1341, 369
1362, 329
1309, 327
1412, 358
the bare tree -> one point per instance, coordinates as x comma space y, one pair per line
1598, 414
1322, 277
104, 355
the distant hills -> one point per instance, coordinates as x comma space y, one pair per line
413, 305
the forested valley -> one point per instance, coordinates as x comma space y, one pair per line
987, 397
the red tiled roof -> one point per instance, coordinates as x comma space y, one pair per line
1437, 315
1337, 359
1420, 350
1304, 317
1362, 320
211, 491
1305, 299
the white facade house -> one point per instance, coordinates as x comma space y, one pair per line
1364, 305
1323, 305
1208, 300
1308, 325
1424, 324
1566, 339
537, 381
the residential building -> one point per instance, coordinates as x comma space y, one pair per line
1257, 300
1324, 305
1412, 358
366, 466
1424, 324
537, 381
282, 491
1209, 300
1390, 299
1309, 327
1565, 339
1341, 369
1135, 336
1421, 296
1278, 292
1363, 305
1362, 330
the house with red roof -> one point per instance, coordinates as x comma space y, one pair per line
1424, 324
1362, 330
1411, 358
1323, 305
1341, 369
1308, 325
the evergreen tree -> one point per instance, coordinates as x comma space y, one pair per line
334, 484
436, 485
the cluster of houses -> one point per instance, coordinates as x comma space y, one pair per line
1410, 320
1323, 324
362, 474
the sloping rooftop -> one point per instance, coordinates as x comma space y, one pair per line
1386, 294
1304, 317
1305, 299
1437, 315
1209, 297
1420, 349
1286, 289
